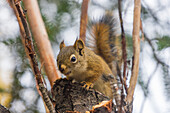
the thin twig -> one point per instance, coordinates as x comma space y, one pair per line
124, 53
153, 14
124, 77
154, 54
141, 29
147, 85
84, 19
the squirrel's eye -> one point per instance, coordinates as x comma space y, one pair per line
73, 58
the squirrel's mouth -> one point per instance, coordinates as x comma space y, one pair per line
68, 73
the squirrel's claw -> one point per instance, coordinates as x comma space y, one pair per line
87, 85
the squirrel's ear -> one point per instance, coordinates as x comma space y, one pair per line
62, 45
79, 46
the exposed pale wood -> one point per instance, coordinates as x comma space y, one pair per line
84, 18
41, 38
136, 50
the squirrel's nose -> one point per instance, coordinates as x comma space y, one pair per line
61, 68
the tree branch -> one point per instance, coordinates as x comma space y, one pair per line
3, 109
154, 54
41, 38
147, 87
136, 51
84, 19
124, 53
72, 97
29, 48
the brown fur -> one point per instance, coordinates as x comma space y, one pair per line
104, 40
88, 68
97, 65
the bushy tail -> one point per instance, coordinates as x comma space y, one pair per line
103, 38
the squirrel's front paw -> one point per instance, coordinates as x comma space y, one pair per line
87, 85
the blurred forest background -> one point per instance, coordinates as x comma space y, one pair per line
62, 21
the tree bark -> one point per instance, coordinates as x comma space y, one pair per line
136, 51
41, 38
3, 109
73, 97
84, 19
30, 52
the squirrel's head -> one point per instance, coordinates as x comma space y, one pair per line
71, 59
